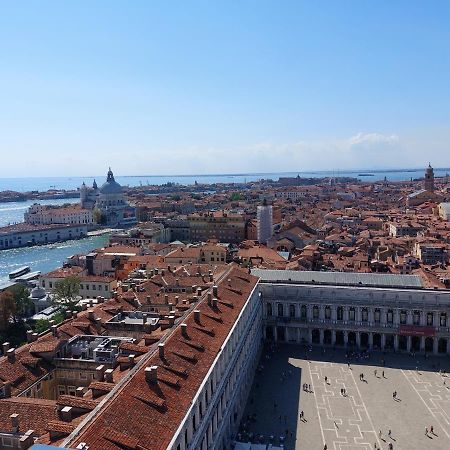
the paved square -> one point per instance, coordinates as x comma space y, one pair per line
346, 412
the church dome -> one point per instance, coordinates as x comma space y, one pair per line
111, 186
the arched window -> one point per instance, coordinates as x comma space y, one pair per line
351, 313
429, 318
340, 313
327, 312
291, 310
443, 320
315, 312
303, 311
280, 310
269, 309
364, 315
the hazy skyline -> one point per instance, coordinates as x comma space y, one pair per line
213, 87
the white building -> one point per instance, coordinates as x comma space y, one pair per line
47, 214
264, 216
24, 234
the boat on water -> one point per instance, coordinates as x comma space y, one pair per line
19, 272
28, 277
366, 175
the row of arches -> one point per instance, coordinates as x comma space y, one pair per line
377, 341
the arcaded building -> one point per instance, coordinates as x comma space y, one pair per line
354, 310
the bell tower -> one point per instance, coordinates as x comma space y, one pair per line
429, 179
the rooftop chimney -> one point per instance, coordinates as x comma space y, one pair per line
215, 290
184, 332
109, 375
66, 414
177, 299
99, 373
79, 391
30, 336
5, 347
144, 319
197, 316
11, 354
214, 302
149, 298
35, 336
68, 314
161, 350
199, 292
131, 360
166, 299
209, 298
74, 314
91, 314
98, 324
151, 374
15, 422
54, 329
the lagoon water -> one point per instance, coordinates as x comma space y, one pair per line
46, 257
45, 183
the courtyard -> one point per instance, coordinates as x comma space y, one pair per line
357, 418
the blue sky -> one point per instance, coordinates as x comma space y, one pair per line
176, 87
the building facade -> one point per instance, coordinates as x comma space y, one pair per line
354, 316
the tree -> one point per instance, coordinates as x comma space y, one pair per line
22, 301
65, 292
7, 308
235, 196
98, 216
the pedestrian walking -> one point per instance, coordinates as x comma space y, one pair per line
336, 425
389, 433
426, 431
326, 379
431, 429
379, 434
375, 372
383, 374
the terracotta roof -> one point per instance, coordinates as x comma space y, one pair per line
157, 410
34, 414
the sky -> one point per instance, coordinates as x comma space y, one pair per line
196, 87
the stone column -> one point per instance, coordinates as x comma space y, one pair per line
321, 312
333, 337
435, 345
358, 314
299, 335
371, 315
383, 341
358, 339
370, 341
345, 313
395, 342
321, 336
383, 312
422, 343
435, 319
309, 312
396, 317
409, 317
423, 319
345, 338
334, 312
310, 336
275, 333
408, 344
